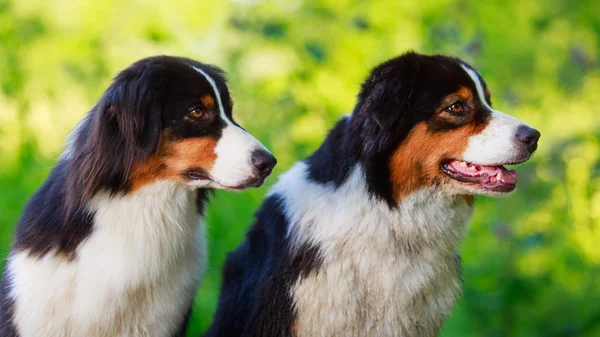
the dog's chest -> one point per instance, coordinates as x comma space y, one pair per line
388, 280
377, 294
134, 276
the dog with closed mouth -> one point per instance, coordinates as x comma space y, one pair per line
361, 238
112, 243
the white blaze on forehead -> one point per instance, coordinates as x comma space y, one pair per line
478, 85
234, 149
496, 144
217, 94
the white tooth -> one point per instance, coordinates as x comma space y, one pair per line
499, 176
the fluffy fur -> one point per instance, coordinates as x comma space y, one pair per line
361, 238
112, 243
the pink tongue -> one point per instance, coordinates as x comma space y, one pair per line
488, 174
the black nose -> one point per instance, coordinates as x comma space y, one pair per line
263, 161
528, 136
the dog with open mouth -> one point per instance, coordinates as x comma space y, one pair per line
361, 238
112, 243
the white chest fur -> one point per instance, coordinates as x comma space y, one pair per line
384, 273
134, 276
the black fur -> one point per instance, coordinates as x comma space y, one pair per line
126, 125
399, 94
202, 196
7, 328
46, 225
255, 299
332, 161
258, 276
144, 104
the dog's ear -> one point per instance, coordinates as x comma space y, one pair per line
124, 127
386, 95
131, 106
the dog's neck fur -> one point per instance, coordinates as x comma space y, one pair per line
133, 276
385, 271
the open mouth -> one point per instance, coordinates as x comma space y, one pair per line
496, 178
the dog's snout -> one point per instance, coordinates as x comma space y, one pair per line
529, 137
263, 161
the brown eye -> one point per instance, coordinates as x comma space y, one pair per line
197, 113
456, 108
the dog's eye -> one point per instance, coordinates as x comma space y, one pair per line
197, 113
456, 108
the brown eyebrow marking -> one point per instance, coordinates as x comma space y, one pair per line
465, 93
208, 101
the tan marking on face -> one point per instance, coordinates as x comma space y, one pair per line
230, 104
147, 172
193, 152
465, 93
416, 162
208, 101
173, 158
488, 94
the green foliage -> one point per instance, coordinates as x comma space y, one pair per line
531, 260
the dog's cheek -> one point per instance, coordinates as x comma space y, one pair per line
406, 162
416, 162
174, 160
192, 153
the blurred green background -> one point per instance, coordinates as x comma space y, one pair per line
531, 260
